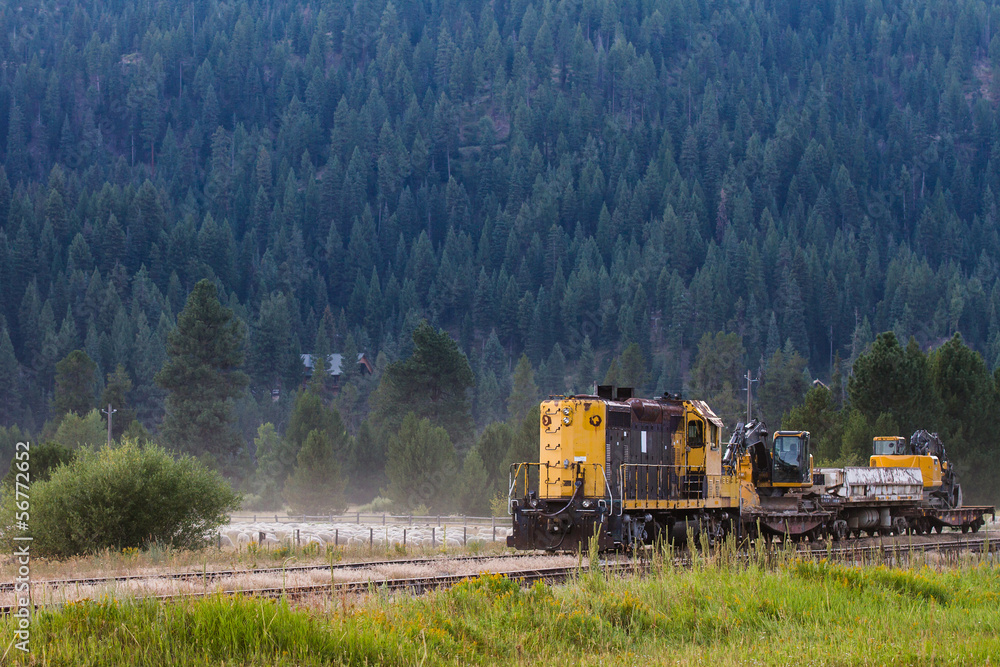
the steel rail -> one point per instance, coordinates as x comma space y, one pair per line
417, 585
221, 574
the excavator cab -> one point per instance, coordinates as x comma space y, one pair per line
890, 446
791, 462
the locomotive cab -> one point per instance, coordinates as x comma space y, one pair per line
791, 462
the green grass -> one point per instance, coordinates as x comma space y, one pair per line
717, 612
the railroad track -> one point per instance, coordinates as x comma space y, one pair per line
7, 587
982, 544
418, 585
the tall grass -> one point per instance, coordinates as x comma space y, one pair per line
726, 608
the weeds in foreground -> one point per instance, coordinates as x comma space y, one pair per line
728, 608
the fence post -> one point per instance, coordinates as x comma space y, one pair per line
276, 518
404, 537
297, 540
261, 536
336, 537
255, 518
359, 517
371, 537
433, 541
465, 535
218, 540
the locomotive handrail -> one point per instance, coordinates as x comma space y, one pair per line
681, 471
515, 472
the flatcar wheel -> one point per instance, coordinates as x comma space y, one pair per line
938, 529
899, 526
840, 530
965, 528
975, 526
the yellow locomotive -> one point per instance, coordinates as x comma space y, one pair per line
631, 470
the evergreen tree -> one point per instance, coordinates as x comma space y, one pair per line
818, 415
420, 465
897, 381
433, 383
204, 353
271, 472
368, 474
316, 485
472, 499
272, 362
524, 394
585, 368
75, 384
9, 380
632, 372
115, 394
783, 385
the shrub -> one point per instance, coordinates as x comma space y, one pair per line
128, 496
45, 458
75, 431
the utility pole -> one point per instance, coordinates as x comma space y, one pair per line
749, 390
110, 411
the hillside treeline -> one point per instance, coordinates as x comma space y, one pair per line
562, 180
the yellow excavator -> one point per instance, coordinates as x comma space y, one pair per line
926, 452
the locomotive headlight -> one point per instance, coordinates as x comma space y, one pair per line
566, 411
586, 504
534, 502
566, 421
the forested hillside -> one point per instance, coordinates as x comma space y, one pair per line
558, 179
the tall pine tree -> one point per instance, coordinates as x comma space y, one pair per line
201, 374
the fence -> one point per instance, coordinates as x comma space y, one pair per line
381, 519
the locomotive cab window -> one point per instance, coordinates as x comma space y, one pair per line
696, 433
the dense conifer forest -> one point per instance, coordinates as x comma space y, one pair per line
662, 193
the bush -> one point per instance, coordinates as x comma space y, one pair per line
45, 458
128, 496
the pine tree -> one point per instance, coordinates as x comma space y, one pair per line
75, 384
271, 472
433, 383
420, 465
524, 393
493, 445
316, 485
271, 361
9, 380
472, 497
204, 352
585, 368
115, 394
896, 381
